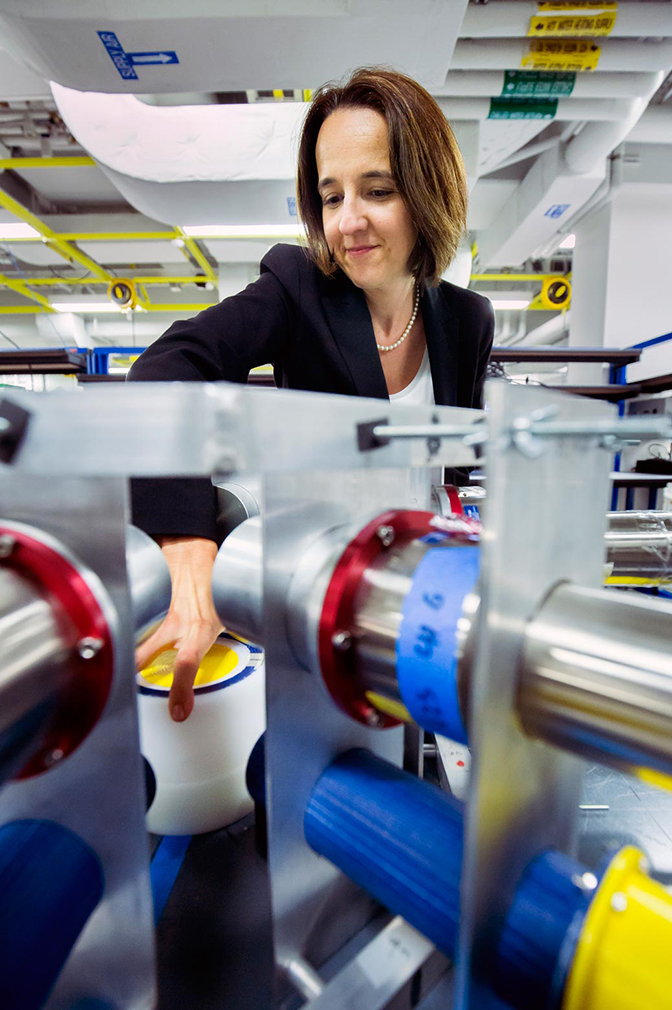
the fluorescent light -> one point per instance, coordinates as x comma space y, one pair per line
510, 303
244, 230
12, 231
85, 307
568, 242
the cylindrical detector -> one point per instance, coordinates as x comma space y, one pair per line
237, 581
34, 653
622, 959
149, 581
56, 651
199, 764
596, 677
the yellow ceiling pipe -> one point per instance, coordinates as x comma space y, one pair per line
191, 247
115, 236
22, 289
51, 282
517, 277
52, 239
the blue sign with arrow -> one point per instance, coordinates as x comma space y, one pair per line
125, 62
149, 58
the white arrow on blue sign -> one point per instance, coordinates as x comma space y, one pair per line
149, 58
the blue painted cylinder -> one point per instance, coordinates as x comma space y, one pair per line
255, 773
537, 942
50, 883
397, 837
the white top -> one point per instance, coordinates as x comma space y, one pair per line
420, 388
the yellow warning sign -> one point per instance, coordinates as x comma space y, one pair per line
573, 20
561, 54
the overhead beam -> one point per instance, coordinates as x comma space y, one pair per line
22, 289
53, 240
65, 162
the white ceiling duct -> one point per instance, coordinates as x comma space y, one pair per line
18, 82
185, 143
556, 187
170, 162
512, 19
493, 83
139, 46
616, 54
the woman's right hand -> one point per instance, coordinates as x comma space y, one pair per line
191, 624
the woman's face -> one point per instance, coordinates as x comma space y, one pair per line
365, 220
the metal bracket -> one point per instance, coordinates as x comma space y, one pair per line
13, 424
367, 438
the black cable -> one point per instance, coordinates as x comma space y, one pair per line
9, 339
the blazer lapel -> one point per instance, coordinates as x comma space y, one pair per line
349, 320
442, 336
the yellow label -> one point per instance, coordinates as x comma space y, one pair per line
218, 664
561, 54
574, 20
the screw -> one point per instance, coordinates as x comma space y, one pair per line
5, 425
53, 758
608, 441
374, 718
89, 647
7, 545
386, 535
619, 902
341, 640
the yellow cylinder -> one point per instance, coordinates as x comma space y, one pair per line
622, 959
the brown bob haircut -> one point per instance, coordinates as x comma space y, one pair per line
424, 158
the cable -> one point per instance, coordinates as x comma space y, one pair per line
9, 339
26, 280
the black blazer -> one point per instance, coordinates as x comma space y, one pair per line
317, 333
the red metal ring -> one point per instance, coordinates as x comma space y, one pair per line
80, 616
338, 609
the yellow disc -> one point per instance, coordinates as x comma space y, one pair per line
622, 959
217, 664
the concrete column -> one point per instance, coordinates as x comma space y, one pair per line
621, 285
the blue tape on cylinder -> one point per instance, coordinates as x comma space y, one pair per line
535, 949
50, 883
427, 642
396, 836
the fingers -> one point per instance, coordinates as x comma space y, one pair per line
157, 643
185, 668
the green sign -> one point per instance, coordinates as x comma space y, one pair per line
523, 108
538, 83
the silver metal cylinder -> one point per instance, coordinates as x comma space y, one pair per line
149, 582
639, 547
378, 606
596, 677
33, 669
237, 581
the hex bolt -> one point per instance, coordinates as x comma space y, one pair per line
341, 640
386, 535
619, 902
89, 647
7, 545
53, 757
374, 718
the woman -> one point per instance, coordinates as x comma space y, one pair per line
382, 193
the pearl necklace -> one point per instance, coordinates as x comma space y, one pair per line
391, 347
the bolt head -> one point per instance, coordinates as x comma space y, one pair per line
386, 535
7, 545
89, 647
341, 640
619, 902
374, 719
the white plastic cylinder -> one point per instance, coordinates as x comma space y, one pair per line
200, 764
474, 83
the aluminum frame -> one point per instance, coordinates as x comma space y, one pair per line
524, 794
